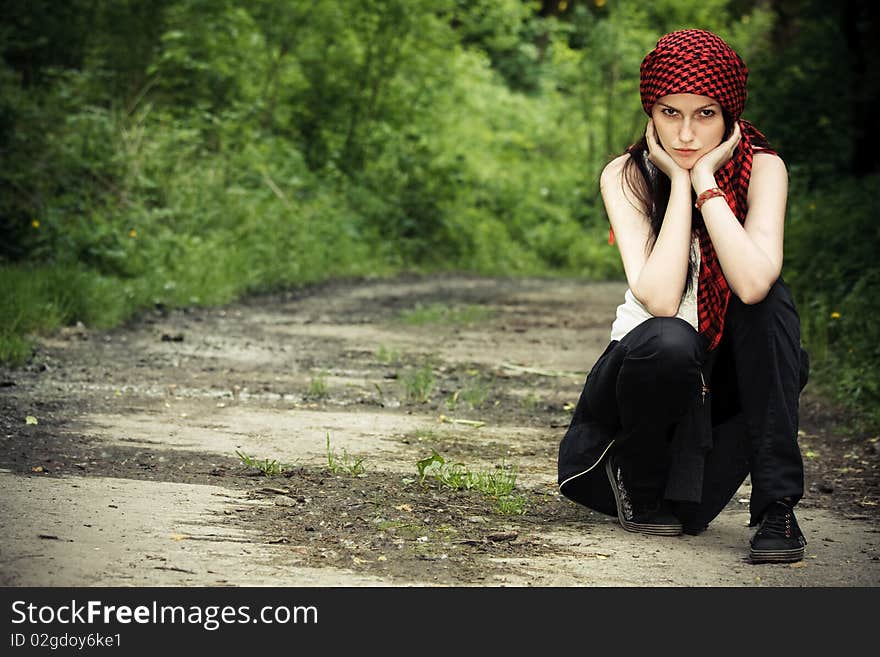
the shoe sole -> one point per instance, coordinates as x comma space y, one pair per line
637, 527
777, 556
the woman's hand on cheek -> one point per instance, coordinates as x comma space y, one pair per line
660, 157
718, 156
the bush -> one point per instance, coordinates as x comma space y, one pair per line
832, 243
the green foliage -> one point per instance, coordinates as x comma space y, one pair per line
388, 356
439, 313
832, 244
318, 386
39, 299
794, 112
270, 468
208, 66
474, 393
510, 33
346, 464
498, 485
418, 383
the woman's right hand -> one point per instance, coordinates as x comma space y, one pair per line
661, 159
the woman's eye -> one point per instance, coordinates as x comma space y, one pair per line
668, 111
707, 113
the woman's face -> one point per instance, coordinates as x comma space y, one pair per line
688, 126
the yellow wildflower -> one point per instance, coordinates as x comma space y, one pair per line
835, 315
132, 233
35, 223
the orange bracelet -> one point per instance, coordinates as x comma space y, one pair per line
709, 193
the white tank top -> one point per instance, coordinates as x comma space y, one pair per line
631, 312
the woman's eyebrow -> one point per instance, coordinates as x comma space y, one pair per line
696, 110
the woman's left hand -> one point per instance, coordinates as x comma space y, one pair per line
709, 163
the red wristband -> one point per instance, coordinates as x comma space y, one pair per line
709, 193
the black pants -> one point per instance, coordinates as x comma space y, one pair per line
646, 383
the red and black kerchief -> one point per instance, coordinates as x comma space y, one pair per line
699, 62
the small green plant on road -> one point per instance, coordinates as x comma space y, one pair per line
419, 384
346, 464
268, 467
476, 392
441, 313
318, 386
388, 355
499, 485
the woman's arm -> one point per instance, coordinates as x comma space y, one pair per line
656, 277
750, 255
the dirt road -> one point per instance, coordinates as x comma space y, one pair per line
286, 441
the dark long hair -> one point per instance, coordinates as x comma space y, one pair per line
651, 187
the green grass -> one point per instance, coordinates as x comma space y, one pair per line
832, 268
37, 300
424, 434
530, 403
388, 356
498, 485
269, 468
346, 464
419, 383
14, 349
476, 392
441, 313
511, 505
318, 386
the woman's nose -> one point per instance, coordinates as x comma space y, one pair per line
686, 134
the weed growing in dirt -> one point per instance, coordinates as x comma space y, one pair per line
476, 392
388, 356
318, 386
425, 434
441, 313
419, 383
511, 505
346, 464
497, 485
473, 393
530, 403
267, 467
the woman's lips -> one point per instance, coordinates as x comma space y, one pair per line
685, 151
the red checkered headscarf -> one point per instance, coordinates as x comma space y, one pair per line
699, 62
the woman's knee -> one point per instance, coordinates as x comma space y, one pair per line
671, 341
660, 373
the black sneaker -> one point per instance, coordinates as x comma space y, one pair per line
778, 539
655, 519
